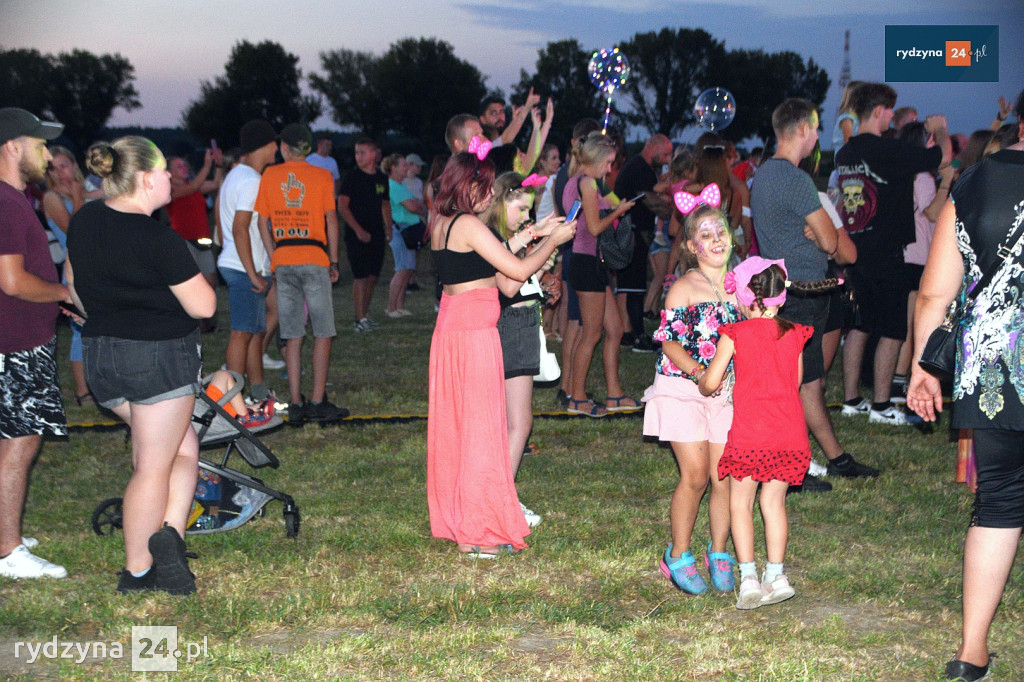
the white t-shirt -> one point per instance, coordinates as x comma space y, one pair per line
325, 162
238, 193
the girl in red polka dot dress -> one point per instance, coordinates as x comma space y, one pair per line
767, 442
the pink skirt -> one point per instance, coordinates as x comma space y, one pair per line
471, 492
675, 411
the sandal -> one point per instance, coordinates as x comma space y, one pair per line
85, 399
596, 411
619, 407
476, 552
531, 449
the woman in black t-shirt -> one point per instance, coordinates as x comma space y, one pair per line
143, 294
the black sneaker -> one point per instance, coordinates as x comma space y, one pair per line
627, 340
170, 563
962, 671
811, 484
325, 411
847, 467
412, 286
643, 344
127, 583
297, 413
563, 398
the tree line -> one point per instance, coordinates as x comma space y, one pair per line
417, 84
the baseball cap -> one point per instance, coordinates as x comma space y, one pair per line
415, 160
15, 122
298, 136
256, 134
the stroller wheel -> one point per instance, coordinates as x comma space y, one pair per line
107, 516
292, 520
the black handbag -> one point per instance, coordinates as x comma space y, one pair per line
615, 245
413, 235
939, 355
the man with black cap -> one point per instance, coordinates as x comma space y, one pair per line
243, 260
299, 226
30, 400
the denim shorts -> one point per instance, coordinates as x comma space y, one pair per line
248, 309
142, 372
519, 331
302, 287
405, 259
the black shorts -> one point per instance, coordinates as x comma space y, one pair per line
587, 273
812, 311
881, 303
913, 274
366, 260
143, 372
30, 402
633, 277
999, 502
519, 330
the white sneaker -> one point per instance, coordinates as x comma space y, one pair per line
863, 407
891, 415
22, 563
404, 312
271, 363
776, 591
750, 593
532, 517
393, 314
362, 326
30, 543
817, 470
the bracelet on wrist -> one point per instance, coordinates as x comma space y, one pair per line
516, 235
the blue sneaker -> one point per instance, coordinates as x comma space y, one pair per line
682, 571
720, 569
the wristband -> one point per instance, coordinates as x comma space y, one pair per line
746, 212
516, 235
1000, 117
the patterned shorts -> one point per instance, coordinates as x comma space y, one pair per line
30, 401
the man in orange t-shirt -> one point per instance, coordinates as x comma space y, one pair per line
299, 226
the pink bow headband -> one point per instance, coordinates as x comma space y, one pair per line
534, 180
738, 280
479, 146
710, 195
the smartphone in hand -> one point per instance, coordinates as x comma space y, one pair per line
574, 210
638, 197
71, 308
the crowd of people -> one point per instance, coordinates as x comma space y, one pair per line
757, 275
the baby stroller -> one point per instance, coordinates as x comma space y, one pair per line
225, 498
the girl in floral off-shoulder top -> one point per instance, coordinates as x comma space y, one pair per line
696, 427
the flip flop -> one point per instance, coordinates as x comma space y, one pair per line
477, 553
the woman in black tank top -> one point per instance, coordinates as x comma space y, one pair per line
470, 488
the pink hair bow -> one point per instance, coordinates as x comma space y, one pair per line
738, 280
710, 195
479, 146
534, 180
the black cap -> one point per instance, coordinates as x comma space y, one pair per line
256, 134
298, 136
16, 122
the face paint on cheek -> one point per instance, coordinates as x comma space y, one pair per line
700, 249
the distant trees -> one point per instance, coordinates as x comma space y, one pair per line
412, 89
260, 81
77, 88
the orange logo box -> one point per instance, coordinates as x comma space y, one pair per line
958, 53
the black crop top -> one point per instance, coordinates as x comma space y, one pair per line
456, 267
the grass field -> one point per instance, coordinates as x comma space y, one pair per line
365, 592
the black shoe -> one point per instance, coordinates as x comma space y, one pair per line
169, 562
846, 466
127, 583
412, 286
811, 484
325, 411
962, 671
297, 413
563, 398
651, 315
644, 344
627, 340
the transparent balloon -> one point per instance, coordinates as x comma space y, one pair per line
609, 70
715, 109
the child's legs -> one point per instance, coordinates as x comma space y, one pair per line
776, 525
692, 459
718, 502
741, 508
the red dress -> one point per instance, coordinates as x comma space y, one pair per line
768, 439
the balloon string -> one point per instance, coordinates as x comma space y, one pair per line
607, 112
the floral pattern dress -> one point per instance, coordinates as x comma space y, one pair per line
696, 328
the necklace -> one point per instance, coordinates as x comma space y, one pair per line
710, 283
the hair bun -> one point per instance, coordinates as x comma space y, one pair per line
101, 159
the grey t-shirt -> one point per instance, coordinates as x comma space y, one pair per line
781, 198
